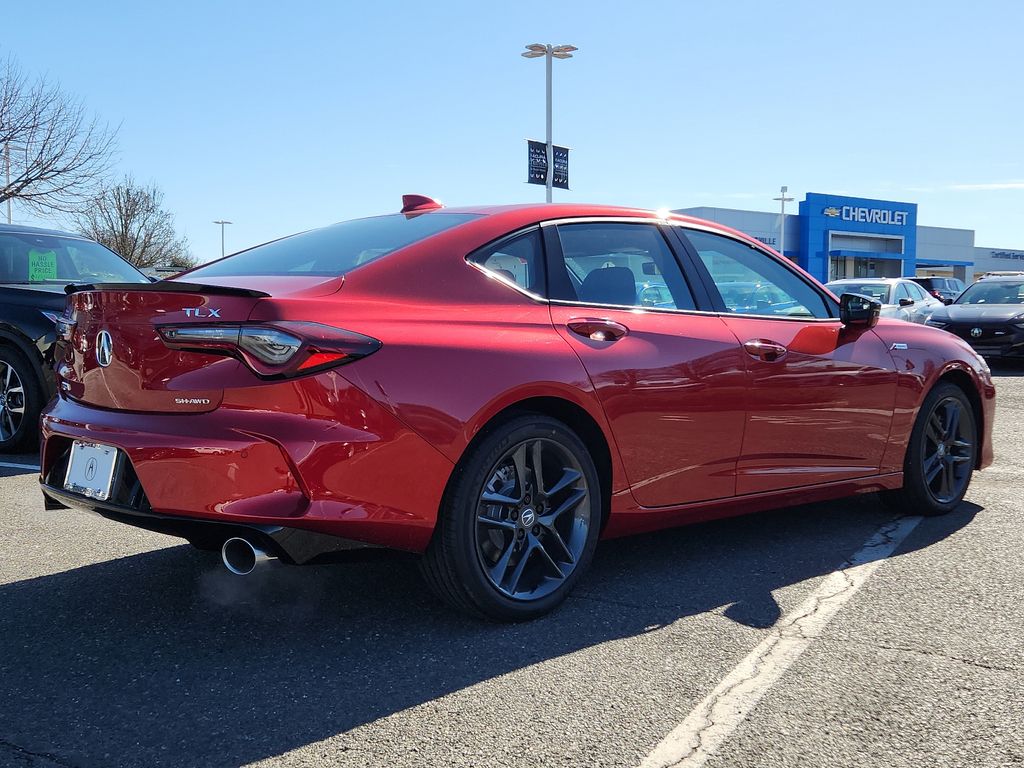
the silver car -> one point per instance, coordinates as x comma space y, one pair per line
901, 298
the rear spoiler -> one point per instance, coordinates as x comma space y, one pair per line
168, 286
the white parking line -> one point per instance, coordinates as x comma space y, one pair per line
706, 728
9, 465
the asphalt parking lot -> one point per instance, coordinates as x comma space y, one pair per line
124, 648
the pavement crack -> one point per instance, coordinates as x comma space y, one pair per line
930, 653
30, 754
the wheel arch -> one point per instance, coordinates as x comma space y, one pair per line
574, 416
966, 383
10, 337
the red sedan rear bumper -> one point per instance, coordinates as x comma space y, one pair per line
352, 470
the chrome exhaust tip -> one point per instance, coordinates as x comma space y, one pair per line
241, 556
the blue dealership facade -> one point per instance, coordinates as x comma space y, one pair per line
835, 236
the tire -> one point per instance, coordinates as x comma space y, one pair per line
939, 462
21, 400
516, 554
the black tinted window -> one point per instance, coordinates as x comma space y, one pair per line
334, 250
517, 259
993, 293
30, 258
618, 264
752, 282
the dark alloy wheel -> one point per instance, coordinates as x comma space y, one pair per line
20, 402
520, 523
941, 456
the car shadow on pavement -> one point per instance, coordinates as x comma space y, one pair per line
163, 658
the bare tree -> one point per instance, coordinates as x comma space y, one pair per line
130, 220
54, 155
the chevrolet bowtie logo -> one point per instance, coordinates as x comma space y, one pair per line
831, 211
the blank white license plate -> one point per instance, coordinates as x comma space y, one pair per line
91, 470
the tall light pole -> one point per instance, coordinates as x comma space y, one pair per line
549, 52
222, 223
782, 219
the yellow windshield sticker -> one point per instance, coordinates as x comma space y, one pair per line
42, 266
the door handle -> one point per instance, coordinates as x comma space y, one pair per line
766, 351
597, 329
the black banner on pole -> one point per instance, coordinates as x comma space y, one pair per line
537, 164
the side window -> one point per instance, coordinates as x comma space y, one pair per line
916, 292
753, 283
628, 265
902, 292
517, 259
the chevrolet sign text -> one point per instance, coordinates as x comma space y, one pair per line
868, 215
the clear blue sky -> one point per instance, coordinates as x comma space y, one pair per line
288, 115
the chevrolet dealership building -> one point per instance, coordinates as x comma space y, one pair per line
833, 236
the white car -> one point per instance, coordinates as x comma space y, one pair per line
900, 297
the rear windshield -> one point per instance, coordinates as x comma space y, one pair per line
31, 259
334, 250
993, 293
876, 291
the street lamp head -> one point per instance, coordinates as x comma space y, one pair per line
536, 50
222, 222
785, 189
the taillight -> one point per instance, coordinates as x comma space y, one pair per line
273, 350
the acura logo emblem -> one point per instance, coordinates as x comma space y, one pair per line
975, 333
104, 348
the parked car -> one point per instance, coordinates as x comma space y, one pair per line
943, 288
35, 266
384, 381
900, 297
1001, 273
988, 315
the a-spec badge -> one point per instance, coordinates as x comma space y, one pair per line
200, 312
104, 349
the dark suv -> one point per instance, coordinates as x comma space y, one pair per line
35, 265
945, 288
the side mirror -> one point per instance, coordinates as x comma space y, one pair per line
857, 310
947, 302
649, 268
906, 302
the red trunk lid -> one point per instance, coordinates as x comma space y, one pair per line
117, 325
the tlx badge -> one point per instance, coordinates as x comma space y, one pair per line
200, 312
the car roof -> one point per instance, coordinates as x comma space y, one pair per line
22, 229
1003, 278
516, 215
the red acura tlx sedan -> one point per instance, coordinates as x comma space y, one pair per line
497, 388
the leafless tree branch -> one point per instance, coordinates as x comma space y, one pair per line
58, 154
130, 220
